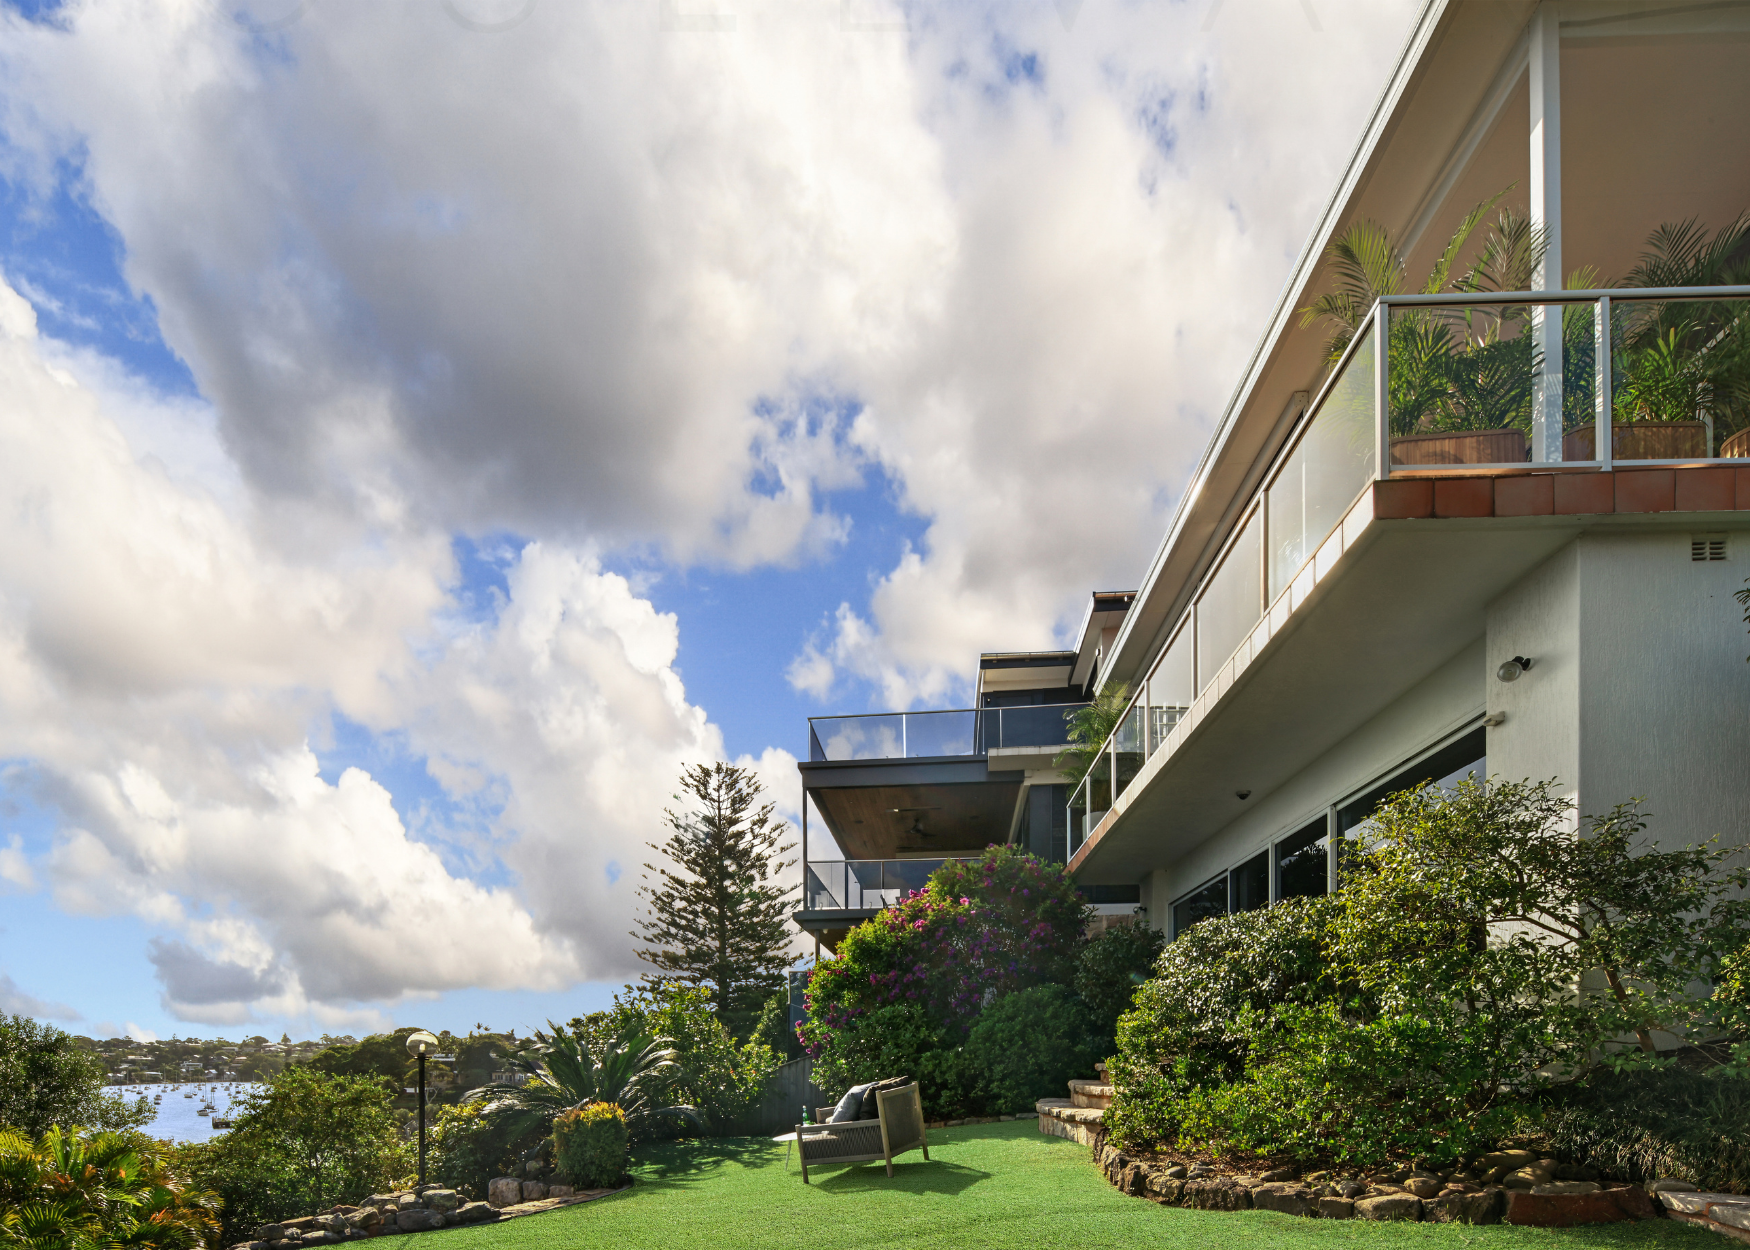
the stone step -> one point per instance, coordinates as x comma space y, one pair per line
1059, 1117
1090, 1094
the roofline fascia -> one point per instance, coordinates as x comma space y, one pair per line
1421, 31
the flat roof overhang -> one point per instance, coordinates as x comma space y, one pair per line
1401, 587
872, 807
830, 927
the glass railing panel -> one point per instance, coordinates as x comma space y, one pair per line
1680, 378
1492, 384
1233, 601
874, 737
1171, 687
1129, 746
939, 733
1043, 725
1332, 462
1078, 816
824, 889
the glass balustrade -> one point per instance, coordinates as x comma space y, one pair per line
1327, 467
864, 884
1232, 602
1041, 725
893, 735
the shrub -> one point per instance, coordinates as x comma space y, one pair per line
713, 1074
47, 1079
589, 1145
466, 1148
1642, 1123
908, 985
80, 1190
1110, 968
304, 1143
773, 1029
1029, 1045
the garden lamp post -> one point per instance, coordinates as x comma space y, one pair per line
420, 1045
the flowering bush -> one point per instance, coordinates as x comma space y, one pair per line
589, 1145
909, 984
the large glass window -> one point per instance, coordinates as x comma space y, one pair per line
1210, 900
1127, 746
1446, 767
1249, 884
1329, 467
1232, 602
1302, 868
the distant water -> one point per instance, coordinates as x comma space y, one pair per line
177, 1118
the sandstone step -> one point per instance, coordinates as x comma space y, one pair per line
1059, 1117
1090, 1094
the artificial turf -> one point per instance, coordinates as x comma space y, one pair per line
987, 1185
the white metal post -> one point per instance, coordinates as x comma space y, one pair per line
1545, 55
1601, 349
1381, 391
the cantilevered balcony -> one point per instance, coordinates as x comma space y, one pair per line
1534, 410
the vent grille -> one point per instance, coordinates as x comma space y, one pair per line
1704, 547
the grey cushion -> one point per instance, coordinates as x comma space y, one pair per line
851, 1105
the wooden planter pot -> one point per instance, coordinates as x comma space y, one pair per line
1640, 440
1506, 446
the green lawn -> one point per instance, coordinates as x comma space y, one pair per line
988, 1185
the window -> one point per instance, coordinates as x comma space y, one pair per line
1302, 862
1249, 884
1210, 900
1446, 767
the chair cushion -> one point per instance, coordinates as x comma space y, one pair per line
851, 1105
870, 1105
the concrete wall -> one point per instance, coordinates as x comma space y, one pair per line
1539, 618
1664, 709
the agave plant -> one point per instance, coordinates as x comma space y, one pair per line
560, 1072
69, 1191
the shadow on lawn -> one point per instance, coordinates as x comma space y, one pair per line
676, 1162
934, 1177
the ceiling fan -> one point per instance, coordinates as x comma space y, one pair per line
917, 830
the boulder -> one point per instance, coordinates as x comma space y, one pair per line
271, 1232
1337, 1208
1458, 1206
1216, 1195
331, 1223
1567, 1187
1389, 1207
298, 1225
1166, 1187
1283, 1196
321, 1237
1133, 1179
441, 1199
1351, 1189
533, 1191
1423, 1186
1732, 1215
504, 1191
419, 1221
290, 1243
1277, 1174
476, 1213
1177, 1171
1692, 1202
1671, 1185
1526, 1178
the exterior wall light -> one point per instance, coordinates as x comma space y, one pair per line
1513, 669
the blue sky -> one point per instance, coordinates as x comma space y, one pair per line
424, 442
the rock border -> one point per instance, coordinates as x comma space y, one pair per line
1402, 1194
425, 1208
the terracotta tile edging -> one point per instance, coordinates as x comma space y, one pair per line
1620, 490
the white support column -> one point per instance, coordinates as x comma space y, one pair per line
1545, 55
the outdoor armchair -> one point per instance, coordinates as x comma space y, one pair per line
898, 1126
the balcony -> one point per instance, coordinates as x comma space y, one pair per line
937, 734
1487, 384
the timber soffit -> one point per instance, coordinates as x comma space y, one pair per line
1378, 124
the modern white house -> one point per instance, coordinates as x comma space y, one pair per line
1502, 531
